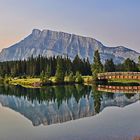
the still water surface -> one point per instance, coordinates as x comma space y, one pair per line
68, 112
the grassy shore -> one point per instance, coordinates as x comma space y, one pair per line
28, 82
36, 82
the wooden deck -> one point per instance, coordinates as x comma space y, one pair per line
119, 75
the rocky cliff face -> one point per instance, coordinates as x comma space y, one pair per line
51, 43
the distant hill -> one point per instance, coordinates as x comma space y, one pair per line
51, 43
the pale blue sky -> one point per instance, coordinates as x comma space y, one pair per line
113, 22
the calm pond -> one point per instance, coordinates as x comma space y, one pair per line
74, 112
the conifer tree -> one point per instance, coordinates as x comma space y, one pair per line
109, 66
139, 63
42, 76
48, 72
97, 65
71, 78
59, 71
130, 65
77, 64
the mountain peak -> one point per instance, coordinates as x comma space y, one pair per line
52, 43
36, 31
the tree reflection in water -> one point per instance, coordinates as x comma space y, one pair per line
57, 104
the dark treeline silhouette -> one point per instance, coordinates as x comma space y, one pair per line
59, 66
34, 66
127, 66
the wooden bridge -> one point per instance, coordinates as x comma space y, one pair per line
119, 89
119, 75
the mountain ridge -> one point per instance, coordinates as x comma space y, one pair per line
52, 43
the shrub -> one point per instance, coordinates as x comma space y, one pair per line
24, 77
70, 78
6, 81
47, 82
78, 78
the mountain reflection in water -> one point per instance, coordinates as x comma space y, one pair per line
59, 104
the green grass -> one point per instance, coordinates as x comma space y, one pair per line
53, 79
87, 79
29, 82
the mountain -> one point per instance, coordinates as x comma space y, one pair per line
51, 43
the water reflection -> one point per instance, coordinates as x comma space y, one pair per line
59, 104
119, 88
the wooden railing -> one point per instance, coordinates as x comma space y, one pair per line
119, 75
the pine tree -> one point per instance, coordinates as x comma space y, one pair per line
109, 66
87, 67
139, 63
59, 71
97, 65
48, 72
130, 65
70, 78
68, 65
77, 64
42, 76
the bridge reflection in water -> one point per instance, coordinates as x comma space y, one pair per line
120, 89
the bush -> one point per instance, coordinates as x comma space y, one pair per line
24, 77
78, 78
59, 80
47, 82
88, 79
6, 81
70, 78
1, 78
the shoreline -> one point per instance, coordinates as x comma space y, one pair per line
36, 82
87, 80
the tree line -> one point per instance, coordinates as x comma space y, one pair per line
127, 66
64, 66
52, 66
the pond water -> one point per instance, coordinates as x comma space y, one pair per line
74, 112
